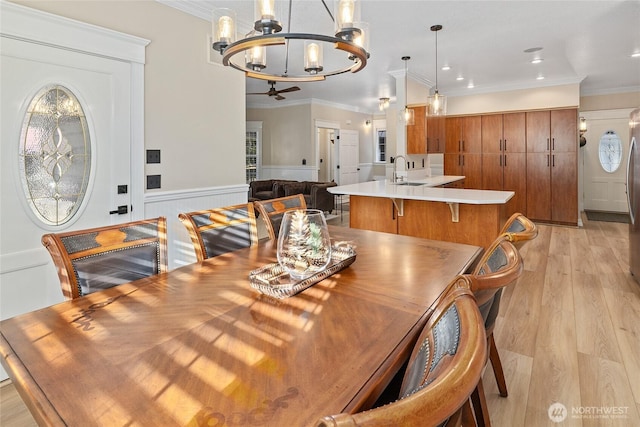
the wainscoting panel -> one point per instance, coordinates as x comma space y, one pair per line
171, 203
298, 173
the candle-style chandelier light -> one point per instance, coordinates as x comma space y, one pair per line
351, 37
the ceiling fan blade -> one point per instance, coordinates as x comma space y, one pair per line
280, 97
289, 89
258, 93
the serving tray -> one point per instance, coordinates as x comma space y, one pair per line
274, 281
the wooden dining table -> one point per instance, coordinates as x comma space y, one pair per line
199, 346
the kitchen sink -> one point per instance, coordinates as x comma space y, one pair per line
411, 184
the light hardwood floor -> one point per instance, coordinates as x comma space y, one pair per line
568, 333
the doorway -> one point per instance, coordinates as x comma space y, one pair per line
326, 151
110, 89
604, 190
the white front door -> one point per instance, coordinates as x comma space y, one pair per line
102, 86
604, 191
348, 143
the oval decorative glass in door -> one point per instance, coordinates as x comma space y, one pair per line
55, 155
610, 151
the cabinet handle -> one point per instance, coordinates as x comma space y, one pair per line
553, 161
547, 160
393, 211
553, 146
505, 160
547, 144
500, 145
505, 145
462, 160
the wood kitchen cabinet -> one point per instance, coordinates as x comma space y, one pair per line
463, 149
504, 157
435, 134
417, 132
552, 166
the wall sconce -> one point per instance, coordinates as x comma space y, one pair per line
367, 123
582, 127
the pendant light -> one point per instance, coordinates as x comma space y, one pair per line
407, 113
436, 103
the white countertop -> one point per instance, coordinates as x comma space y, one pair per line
425, 192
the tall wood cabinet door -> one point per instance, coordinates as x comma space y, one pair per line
453, 136
453, 166
492, 133
514, 165
564, 130
538, 131
564, 187
435, 134
471, 134
472, 170
417, 133
514, 133
539, 186
492, 172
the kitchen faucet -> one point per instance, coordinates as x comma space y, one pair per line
395, 168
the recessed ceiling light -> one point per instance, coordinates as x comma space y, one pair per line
635, 55
470, 85
536, 60
446, 68
540, 78
459, 78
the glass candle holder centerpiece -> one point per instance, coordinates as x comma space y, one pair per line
304, 245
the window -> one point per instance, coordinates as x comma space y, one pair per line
610, 151
253, 149
380, 140
55, 155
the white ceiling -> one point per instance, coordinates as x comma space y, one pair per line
586, 42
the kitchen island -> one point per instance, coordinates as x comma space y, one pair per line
424, 208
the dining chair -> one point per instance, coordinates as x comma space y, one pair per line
272, 211
443, 369
500, 266
217, 231
94, 259
519, 229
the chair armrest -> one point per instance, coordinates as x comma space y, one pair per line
260, 185
321, 198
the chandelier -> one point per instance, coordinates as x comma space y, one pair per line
436, 103
249, 54
383, 104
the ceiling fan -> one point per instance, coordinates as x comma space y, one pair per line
274, 92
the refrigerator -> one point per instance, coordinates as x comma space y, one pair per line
633, 194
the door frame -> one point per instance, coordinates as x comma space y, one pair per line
324, 124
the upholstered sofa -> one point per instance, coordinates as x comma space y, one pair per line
315, 193
265, 189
